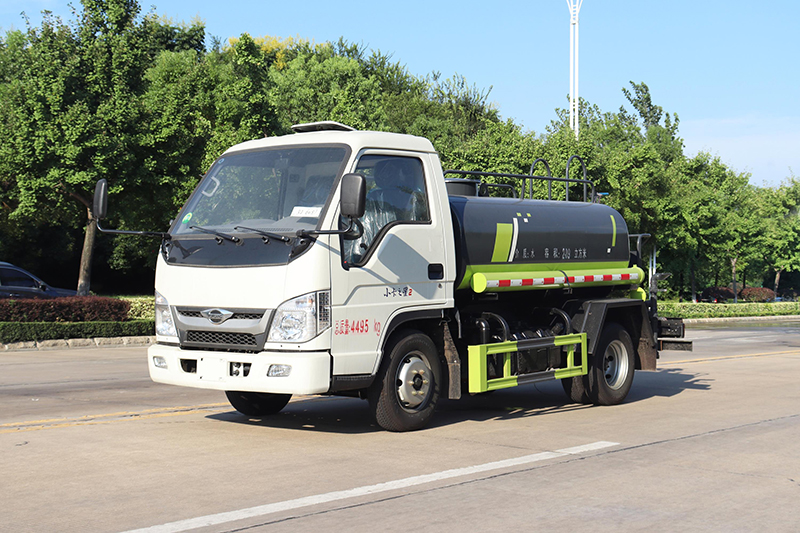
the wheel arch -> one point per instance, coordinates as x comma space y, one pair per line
631, 315
431, 322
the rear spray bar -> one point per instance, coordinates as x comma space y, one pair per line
478, 362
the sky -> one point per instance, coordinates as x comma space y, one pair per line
728, 69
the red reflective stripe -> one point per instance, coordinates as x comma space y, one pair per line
527, 282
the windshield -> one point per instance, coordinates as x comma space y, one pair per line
277, 190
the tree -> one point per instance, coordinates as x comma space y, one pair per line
73, 113
314, 87
783, 230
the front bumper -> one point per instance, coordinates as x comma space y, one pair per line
204, 369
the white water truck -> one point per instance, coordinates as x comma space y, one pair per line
343, 262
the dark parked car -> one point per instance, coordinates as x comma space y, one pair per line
18, 283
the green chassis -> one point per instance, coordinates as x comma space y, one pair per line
477, 354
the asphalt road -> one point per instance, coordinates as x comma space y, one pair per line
709, 442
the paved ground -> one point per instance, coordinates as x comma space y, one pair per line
708, 442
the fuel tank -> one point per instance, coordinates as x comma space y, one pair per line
512, 244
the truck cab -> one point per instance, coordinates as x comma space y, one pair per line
249, 299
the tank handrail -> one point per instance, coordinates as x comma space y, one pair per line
640, 238
482, 186
499, 186
525, 177
549, 175
583, 165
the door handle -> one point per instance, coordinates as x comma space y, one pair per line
436, 271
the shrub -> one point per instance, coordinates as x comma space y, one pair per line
757, 294
142, 307
717, 294
71, 309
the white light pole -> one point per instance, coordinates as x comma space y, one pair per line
574, 103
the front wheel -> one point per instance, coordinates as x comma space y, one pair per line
257, 403
406, 389
611, 367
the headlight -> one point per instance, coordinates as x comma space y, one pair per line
302, 318
165, 325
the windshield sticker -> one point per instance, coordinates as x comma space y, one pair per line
187, 218
303, 211
216, 186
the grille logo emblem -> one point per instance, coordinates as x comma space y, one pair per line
217, 316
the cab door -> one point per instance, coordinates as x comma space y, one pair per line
396, 265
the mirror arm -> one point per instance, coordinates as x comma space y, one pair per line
162, 235
307, 233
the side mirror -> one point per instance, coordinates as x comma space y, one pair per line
100, 206
354, 195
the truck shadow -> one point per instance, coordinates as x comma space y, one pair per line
327, 414
548, 398
666, 382
352, 416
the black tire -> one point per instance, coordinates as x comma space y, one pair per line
611, 367
257, 403
576, 389
404, 394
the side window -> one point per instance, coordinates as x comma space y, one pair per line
14, 278
395, 194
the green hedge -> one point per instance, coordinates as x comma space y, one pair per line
41, 331
707, 310
142, 322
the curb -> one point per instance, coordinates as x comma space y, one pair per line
56, 344
722, 320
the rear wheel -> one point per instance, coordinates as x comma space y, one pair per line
257, 403
611, 367
575, 389
406, 389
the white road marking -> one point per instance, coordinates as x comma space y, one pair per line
288, 505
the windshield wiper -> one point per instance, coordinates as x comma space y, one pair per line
217, 234
267, 234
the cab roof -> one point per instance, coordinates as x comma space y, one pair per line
336, 133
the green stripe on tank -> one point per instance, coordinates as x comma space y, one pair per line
614, 231
502, 242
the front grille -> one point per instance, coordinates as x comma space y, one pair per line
221, 338
247, 316
236, 316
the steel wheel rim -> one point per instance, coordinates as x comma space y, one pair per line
413, 380
615, 364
